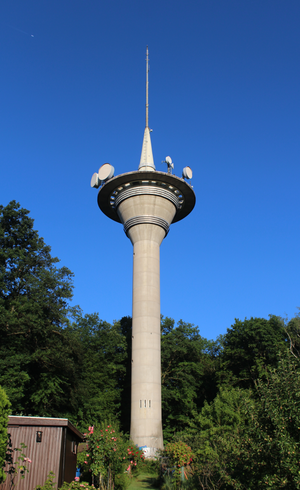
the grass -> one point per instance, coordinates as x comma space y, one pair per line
144, 481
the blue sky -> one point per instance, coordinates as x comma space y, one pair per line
224, 99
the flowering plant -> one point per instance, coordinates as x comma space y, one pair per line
108, 454
105, 452
180, 456
16, 468
135, 456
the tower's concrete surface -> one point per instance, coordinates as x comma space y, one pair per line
146, 202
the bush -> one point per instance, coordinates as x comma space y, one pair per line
76, 484
108, 455
4, 410
151, 466
49, 483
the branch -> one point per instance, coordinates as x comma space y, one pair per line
291, 345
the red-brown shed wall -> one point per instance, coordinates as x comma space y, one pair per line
45, 455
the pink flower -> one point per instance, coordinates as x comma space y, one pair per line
76, 478
85, 462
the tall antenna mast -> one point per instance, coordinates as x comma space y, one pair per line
147, 85
146, 162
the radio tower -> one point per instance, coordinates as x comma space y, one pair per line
146, 202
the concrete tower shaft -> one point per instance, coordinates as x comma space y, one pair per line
146, 208
152, 216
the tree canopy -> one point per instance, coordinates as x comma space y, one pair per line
234, 401
249, 345
36, 357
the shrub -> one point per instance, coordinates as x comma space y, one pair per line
180, 457
4, 410
49, 483
109, 455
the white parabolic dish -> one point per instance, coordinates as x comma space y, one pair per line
106, 171
187, 173
95, 181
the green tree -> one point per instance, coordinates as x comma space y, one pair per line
249, 440
101, 364
4, 412
293, 334
37, 361
216, 435
188, 374
250, 345
274, 436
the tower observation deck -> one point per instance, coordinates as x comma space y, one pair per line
146, 202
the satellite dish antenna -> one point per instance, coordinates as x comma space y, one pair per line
106, 172
95, 182
170, 164
187, 173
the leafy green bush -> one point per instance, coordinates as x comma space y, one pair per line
76, 484
150, 466
108, 455
4, 410
122, 481
180, 457
50, 484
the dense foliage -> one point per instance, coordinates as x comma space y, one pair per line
4, 412
36, 357
250, 439
110, 457
235, 401
53, 360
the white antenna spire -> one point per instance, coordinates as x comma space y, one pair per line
147, 87
147, 162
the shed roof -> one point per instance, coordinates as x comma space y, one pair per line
17, 420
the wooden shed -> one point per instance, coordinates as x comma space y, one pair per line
51, 446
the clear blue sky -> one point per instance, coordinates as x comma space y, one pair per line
224, 99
